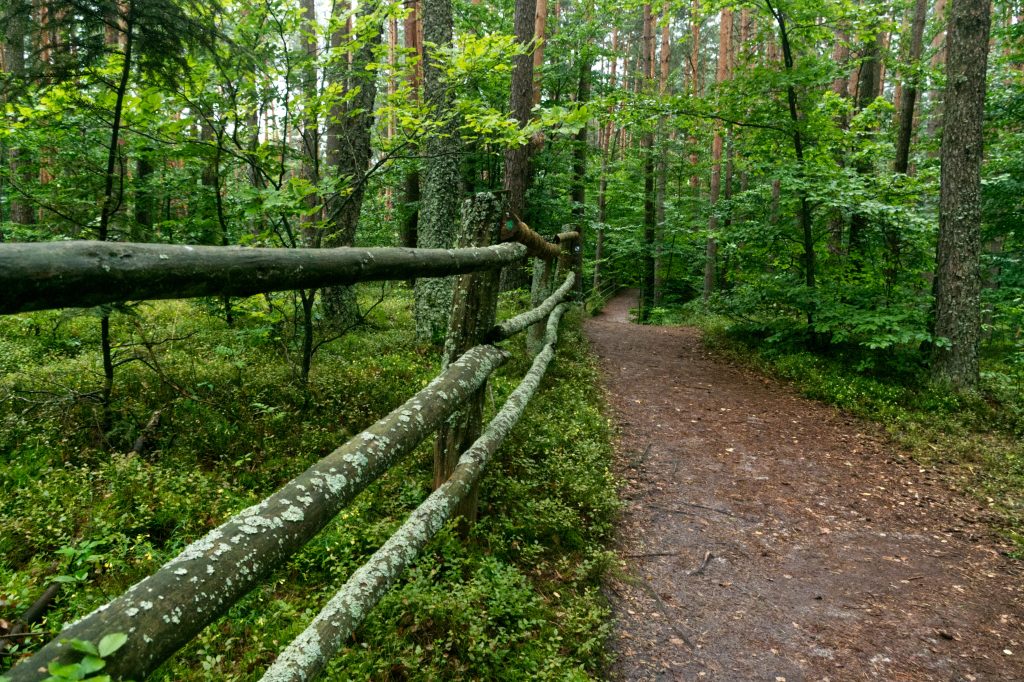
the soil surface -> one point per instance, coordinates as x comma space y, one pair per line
768, 537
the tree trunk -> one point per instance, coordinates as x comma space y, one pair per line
441, 182
908, 96
662, 169
348, 153
806, 223
958, 284
412, 29
938, 48
521, 96
711, 249
540, 26
21, 210
647, 150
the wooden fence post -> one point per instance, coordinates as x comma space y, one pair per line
474, 304
540, 289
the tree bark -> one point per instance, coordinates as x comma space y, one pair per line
440, 181
908, 96
958, 283
644, 78
43, 276
711, 248
348, 153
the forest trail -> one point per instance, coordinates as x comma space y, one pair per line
768, 537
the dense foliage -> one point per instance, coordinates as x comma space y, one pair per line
776, 164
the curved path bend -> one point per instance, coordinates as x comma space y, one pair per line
764, 536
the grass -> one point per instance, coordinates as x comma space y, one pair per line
977, 440
520, 600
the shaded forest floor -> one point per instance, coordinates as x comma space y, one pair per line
768, 537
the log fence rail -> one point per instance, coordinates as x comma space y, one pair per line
166, 610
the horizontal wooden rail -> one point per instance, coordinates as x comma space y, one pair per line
40, 276
308, 654
166, 610
514, 325
536, 246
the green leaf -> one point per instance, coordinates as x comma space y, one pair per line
91, 664
84, 647
69, 671
111, 643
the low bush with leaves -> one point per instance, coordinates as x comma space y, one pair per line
520, 600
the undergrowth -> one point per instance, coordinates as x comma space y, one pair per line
978, 439
520, 600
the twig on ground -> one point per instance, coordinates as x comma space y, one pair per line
703, 564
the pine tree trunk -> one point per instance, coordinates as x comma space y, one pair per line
348, 154
711, 249
908, 96
647, 150
958, 285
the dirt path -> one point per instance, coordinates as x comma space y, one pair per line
768, 537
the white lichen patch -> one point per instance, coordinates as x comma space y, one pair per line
181, 571
293, 513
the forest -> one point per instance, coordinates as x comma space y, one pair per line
832, 191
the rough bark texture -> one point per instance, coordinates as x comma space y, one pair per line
309, 653
958, 284
540, 26
49, 275
938, 60
474, 303
166, 610
517, 159
440, 181
908, 96
348, 154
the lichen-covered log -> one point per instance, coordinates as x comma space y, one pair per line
39, 276
514, 325
309, 653
166, 610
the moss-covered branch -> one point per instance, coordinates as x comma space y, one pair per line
166, 610
84, 273
514, 325
309, 653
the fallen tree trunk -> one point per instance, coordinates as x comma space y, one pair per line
41, 276
166, 610
309, 653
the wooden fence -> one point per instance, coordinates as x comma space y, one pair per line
168, 609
